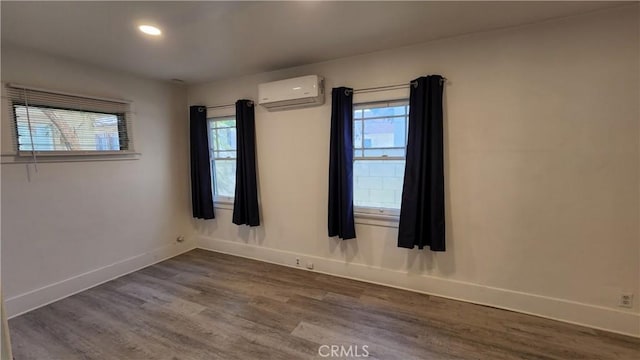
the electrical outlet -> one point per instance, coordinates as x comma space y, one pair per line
626, 300
297, 261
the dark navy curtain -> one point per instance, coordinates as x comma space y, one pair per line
341, 222
201, 193
422, 211
245, 204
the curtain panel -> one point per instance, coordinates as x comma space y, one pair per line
422, 214
341, 221
245, 204
201, 193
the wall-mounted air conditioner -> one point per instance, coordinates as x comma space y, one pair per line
292, 93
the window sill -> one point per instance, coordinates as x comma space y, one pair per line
224, 204
23, 158
390, 221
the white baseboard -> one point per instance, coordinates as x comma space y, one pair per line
598, 317
31, 300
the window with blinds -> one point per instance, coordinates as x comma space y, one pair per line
53, 123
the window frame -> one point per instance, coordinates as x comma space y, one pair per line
221, 201
380, 216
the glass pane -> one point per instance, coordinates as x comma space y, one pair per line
384, 111
210, 135
222, 123
357, 134
390, 132
52, 129
42, 136
384, 152
212, 165
225, 139
224, 154
224, 177
357, 114
378, 183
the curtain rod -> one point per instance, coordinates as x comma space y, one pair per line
56, 92
220, 106
389, 87
250, 103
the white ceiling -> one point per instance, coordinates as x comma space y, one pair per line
204, 41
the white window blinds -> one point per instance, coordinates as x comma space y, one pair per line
56, 123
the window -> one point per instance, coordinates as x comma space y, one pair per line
379, 141
49, 123
56, 129
222, 152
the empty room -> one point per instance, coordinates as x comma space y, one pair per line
320, 180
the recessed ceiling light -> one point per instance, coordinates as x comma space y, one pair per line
151, 30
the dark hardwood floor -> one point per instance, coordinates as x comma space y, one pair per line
206, 305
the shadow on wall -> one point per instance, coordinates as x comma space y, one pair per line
252, 235
444, 261
348, 248
426, 261
206, 227
247, 234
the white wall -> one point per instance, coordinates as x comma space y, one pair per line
542, 171
72, 225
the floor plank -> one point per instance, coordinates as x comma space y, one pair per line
207, 305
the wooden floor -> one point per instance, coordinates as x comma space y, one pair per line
205, 305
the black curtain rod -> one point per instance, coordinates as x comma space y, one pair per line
250, 103
221, 106
389, 87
